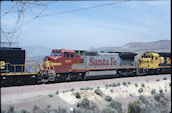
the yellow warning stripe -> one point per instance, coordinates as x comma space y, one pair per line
13, 74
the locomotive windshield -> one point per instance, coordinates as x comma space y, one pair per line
56, 54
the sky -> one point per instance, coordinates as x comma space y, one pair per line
111, 24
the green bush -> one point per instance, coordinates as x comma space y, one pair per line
142, 98
24, 111
114, 85
124, 83
134, 107
116, 105
163, 102
160, 91
143, 85
106, 85
109, 110
62, 110
77, 95
82, 88
108, 98
111, 90
88, 88
157, 97
72, 89
165, 78
50, 95
80, 110
85, 106
157, 79
140, 90
136, 84
84, 103
57, 92
129, 83
98, 92
118, 84
153, 91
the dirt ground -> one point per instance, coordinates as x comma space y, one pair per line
25, 97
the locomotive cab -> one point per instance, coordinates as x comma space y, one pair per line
59, 64
150, 60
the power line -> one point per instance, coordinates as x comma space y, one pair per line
80, 9
70, 11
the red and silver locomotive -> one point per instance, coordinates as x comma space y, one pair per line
69, 65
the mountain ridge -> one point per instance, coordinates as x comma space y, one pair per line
37, 53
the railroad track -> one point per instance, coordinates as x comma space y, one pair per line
87, 79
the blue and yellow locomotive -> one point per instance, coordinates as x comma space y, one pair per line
155, 63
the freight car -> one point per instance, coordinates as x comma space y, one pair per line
155, 63
69, 65
13, 67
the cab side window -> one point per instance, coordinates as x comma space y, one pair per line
68, 55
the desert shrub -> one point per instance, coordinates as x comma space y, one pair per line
142, 98
163, 102
164, 78
24, 111
157, 97
160, 91
47, 109
80, 110
109, 110
116, 105
129, 83
153, 91
35, 107
72, 89
124, 83
98, 92
140, 90
77, 95
118, 84
106, 85
136, 84
85, 106
170, 84
98, 87
84, 103
134, 107
157, 79
111, 90
50, 95
82, 88
88, 88
57, 92
143, 85
61, 110
114, 85
108, 98
3, 111
11, 109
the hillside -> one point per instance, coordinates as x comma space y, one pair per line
37, 53
158, 46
